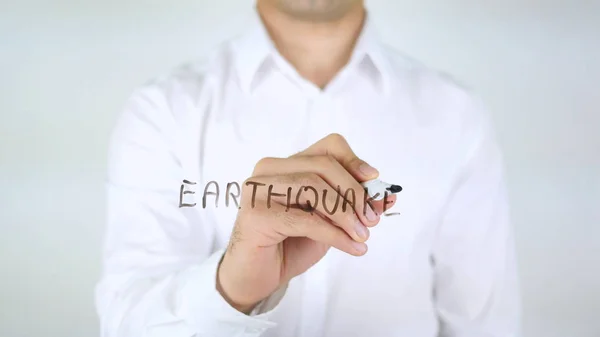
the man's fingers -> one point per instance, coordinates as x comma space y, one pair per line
297, 223
382, 206
335, 145
332, 172
314, 195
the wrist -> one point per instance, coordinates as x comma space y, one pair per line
226, 288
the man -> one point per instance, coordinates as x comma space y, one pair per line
223, 174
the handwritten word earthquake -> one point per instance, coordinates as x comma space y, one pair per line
307, 193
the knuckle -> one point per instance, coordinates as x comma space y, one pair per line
324, 161
331, 160
302, 179
264, 162
333, 199
282, 181
311, 179
336, 137
295, 178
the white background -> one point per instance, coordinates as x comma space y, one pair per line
66, 68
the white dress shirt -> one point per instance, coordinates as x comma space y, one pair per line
445, 266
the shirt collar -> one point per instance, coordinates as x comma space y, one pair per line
255, 48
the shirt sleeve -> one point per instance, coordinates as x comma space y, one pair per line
476, 288
159, 264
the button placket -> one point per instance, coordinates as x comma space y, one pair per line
321, 116
319, 108
339, 117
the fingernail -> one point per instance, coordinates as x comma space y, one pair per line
361, 230
367, 170
371, 216
360, 247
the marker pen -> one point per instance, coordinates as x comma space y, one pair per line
377, 186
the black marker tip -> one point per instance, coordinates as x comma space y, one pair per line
395, 188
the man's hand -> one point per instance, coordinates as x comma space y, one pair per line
270, 244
